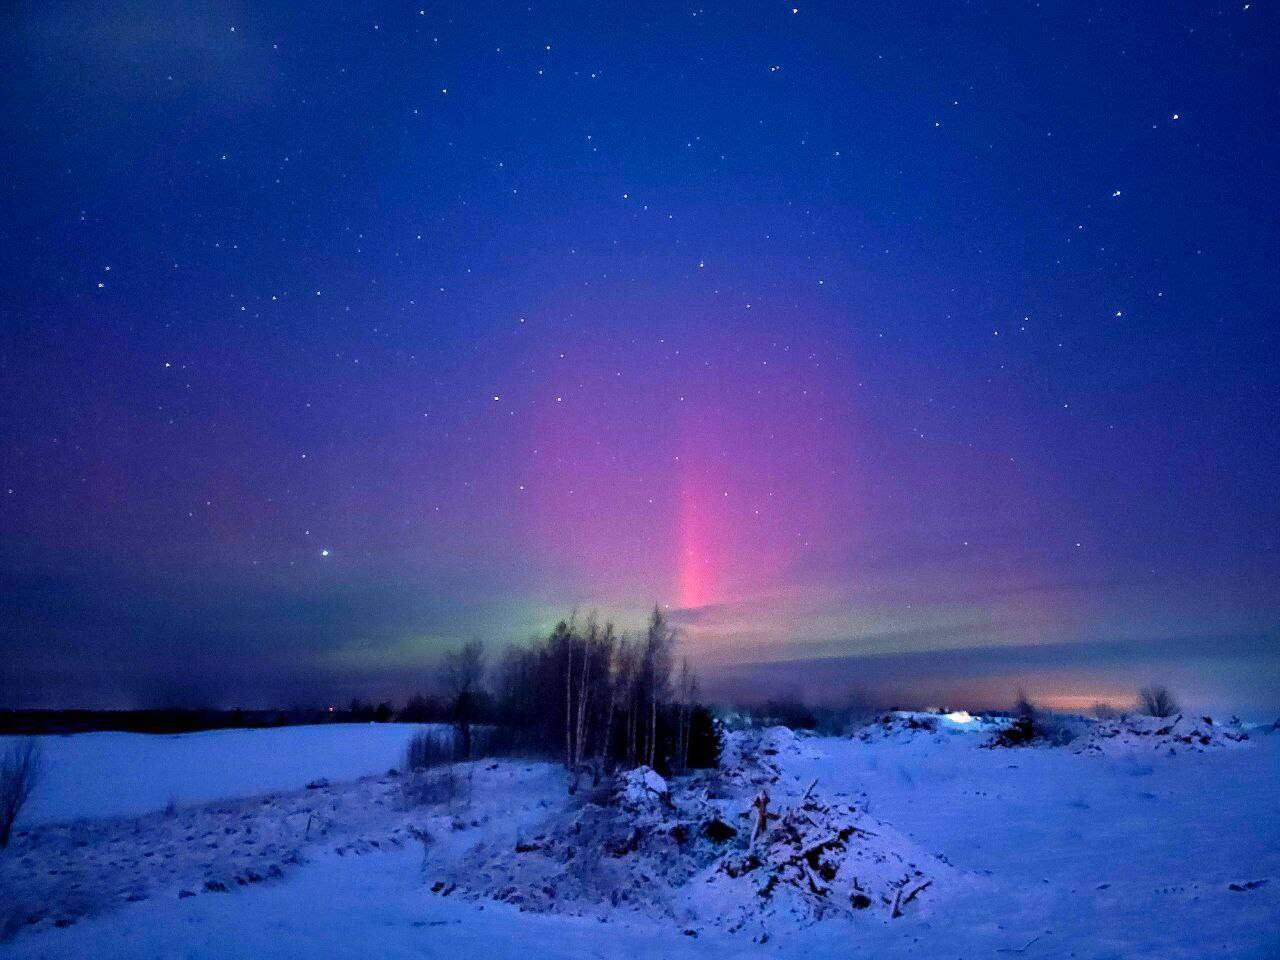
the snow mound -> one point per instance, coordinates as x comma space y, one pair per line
753, 758
643, 787
743, 749
785, 742
683, 850
817, 860
1175, 735
903, 726
627, 844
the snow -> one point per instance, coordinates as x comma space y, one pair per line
58, 874
643, 786
687, 850
905, 726
819, 860
1124, 852
117, 774
1180, 733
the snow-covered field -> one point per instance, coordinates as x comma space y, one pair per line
1124, 851
117, 774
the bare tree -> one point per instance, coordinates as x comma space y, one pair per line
597, 646
463, 671
568, 699
656, 673
616, 656
1157, 701
1023, 708
621, 682
20, 771
686, 691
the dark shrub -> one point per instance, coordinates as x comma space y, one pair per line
1020, 733
20, 770
1030, 726
1157, 701
428, 749
427, 788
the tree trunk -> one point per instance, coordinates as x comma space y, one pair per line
684, 753
631, 727
608, 724
464, 737
582, 707
653, 725
568, 703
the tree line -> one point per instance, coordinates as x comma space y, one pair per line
599, 699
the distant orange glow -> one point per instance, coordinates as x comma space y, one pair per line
1084, 702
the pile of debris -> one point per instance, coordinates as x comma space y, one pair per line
629, 843
738, 848
1176, 734
811, 861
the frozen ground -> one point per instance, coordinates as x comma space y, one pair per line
1049, 852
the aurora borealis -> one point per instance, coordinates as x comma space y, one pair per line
905, 353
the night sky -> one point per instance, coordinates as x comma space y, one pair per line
916, 352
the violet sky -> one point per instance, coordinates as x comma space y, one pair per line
907, 352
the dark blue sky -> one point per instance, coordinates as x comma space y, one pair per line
937, 337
